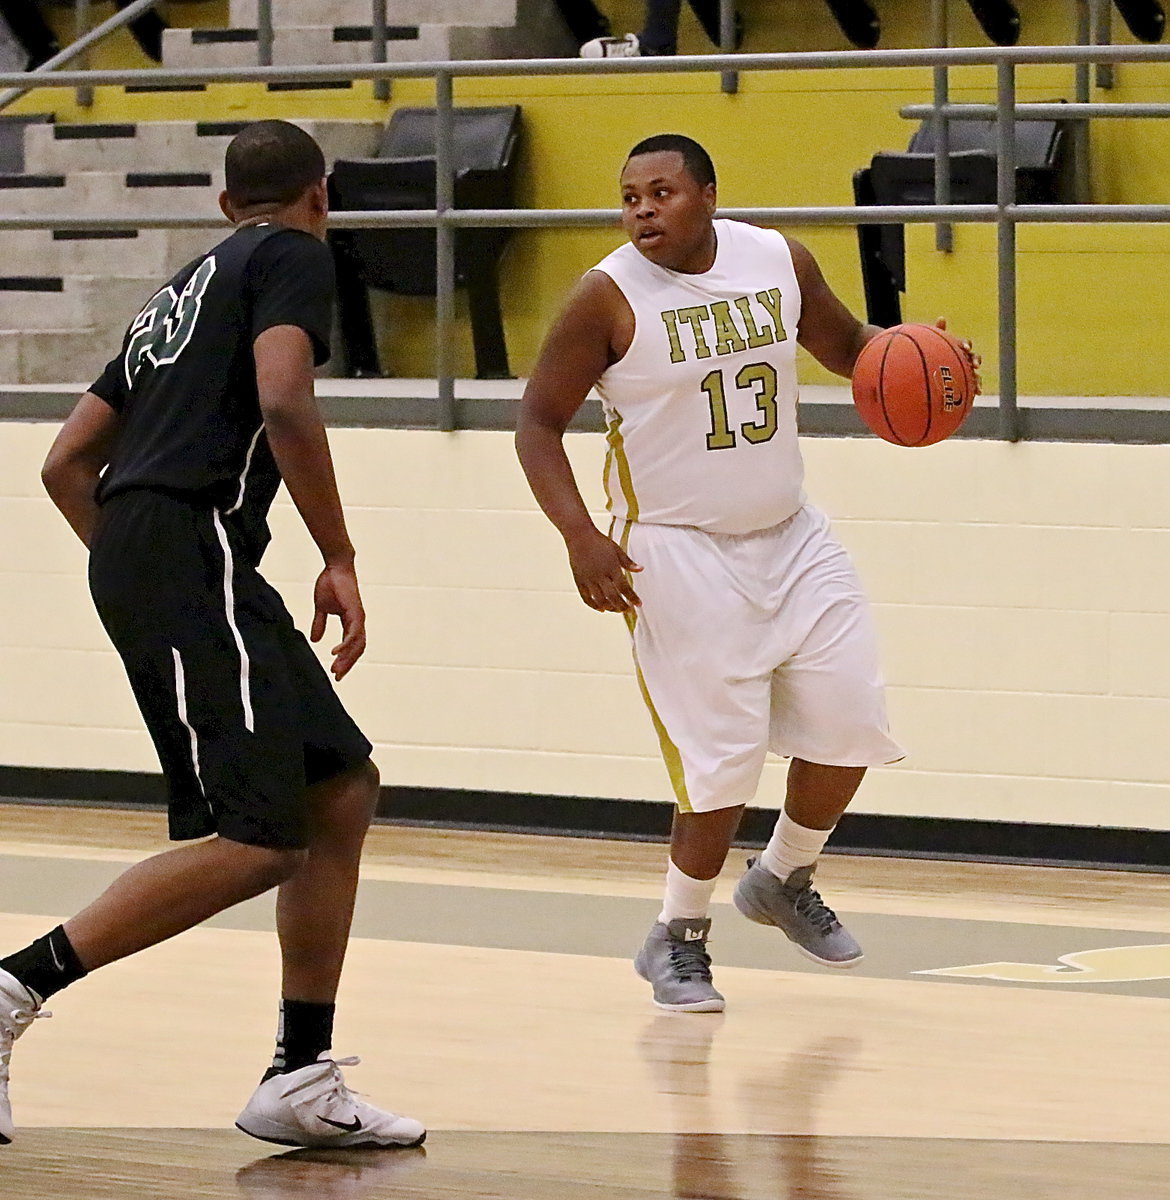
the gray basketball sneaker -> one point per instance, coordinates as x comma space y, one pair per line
675, 962
795, 907
18, 1009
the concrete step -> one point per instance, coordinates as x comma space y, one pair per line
398, 12
301, 45
107, 193
536, 32
75, 302
168, 145
54, 355
155, 253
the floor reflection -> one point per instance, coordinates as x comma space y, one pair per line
179, 1164
676, 1049
327, 1174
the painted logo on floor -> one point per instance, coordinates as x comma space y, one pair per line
1113, 964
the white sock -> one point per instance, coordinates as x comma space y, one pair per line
792, 846
685, 897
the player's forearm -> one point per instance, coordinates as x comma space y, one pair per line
541, 451
301, 449
848, 358
72, 489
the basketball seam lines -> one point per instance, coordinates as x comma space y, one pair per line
881, 388
926, 382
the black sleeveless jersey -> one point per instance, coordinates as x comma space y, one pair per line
184, 383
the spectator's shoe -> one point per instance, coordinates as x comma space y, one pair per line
999, 19
148, 32
313, 1107
675, 962
18, 1009
1145, 18
709, 19
612, 47
858, 22
795, 907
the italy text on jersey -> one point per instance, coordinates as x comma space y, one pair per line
751, 330
162, 330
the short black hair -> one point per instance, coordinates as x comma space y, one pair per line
695, 158
271, 162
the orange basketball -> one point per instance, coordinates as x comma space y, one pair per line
913, 385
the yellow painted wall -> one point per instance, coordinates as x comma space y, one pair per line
1022, 594
1090, 323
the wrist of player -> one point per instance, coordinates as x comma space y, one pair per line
579, 531
340, 558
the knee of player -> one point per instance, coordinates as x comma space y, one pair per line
370, 777
366, 781
345, 805
270, 866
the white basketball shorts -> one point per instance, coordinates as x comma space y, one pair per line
753, 642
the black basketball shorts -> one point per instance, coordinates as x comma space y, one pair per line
241, 712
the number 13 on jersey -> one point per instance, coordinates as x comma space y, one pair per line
759, 378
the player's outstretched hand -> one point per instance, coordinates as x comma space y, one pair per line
336, 594
601, 571
969, 350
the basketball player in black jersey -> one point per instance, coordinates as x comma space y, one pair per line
166, 470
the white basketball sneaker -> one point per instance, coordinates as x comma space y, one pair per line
313, 1107
18, 1009
613, 47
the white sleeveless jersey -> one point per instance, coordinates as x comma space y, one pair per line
701, 411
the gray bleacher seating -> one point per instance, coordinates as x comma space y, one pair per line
1043, 176
402, 261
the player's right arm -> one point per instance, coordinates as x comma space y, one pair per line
297, 439
76, 460
593, 331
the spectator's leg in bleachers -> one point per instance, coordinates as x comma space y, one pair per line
147, 30
30, 29
660, 33
584, 19
707, 12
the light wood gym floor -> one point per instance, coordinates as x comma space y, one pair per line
1007, 1036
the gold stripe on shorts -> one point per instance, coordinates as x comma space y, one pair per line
670, 754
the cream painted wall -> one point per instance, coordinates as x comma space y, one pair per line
1023, 594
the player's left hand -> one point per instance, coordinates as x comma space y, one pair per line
975, 359
336, 594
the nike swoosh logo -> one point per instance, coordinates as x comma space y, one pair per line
347, 1127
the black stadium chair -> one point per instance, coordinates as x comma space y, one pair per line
1043, 176
402, 261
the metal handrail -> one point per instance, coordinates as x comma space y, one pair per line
1039, 110
570, 218
378, 38
265, 34
1005, 213
801, 60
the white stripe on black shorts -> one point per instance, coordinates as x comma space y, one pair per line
242, 714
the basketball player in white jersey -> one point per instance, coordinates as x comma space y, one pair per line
750, 630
